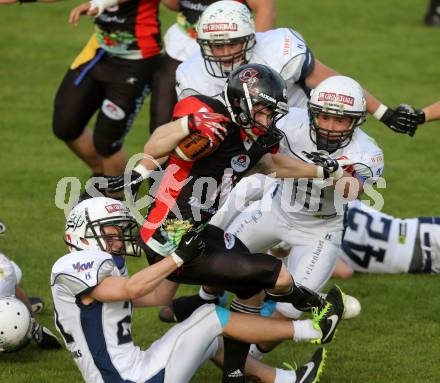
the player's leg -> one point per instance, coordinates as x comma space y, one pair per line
127, 83
163, 92
342, 270
74, 106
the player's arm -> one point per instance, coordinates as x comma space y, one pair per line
282, 166
160, 296
173, 5
92, 8
431, 112
264, 14
112, 289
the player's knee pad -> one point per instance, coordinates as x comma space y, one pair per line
65, 127
105, 146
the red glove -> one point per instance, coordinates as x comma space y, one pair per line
212, 125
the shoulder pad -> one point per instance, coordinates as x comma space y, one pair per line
199, 103
81, 271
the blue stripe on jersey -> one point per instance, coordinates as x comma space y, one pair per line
91, 323
223, 315
158, 378
431, 220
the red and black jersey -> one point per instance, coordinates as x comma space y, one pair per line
192, 9
189, 193
133, 25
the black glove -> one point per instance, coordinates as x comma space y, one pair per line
43, 337
190, 246
330, 166
116, 183
403, 119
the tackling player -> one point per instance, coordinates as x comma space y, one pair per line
93, 299
227, 38
375, 242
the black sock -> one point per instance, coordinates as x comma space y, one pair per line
236, 352
300, 296
183, 307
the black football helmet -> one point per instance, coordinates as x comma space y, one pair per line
253, 87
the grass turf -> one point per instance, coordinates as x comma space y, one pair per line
382, 44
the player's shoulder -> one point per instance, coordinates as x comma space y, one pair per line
199, 103
80, 271
364, 146
281, 44
294, 122
192, 64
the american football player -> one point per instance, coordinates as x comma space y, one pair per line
227, 38
17, 329
375, 242
93, 298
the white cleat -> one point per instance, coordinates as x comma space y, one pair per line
352, 307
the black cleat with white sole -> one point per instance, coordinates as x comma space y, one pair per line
311, 371
328, 317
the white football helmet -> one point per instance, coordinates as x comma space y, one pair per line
225, 22
85, 227
339, 96
15, 324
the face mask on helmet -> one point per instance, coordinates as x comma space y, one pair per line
338, 98
226, 35
256, 98
102, 224
15, 324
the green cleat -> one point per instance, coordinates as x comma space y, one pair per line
327, 318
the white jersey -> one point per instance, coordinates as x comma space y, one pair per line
98, 335
179, 45
283, 49
10, 275
379, 243
309, 200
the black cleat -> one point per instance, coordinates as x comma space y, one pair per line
311, 371
44, 338
37, 305
166, 314
327, 318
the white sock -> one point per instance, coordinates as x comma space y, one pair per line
206, 296
284, 376
256, 352
304, 331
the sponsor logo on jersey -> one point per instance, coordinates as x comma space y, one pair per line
194, 202
220, 27
240, 163
229, 240
111, 110
336, 97
115, 207
79, 267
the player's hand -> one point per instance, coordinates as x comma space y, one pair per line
212, 125
403, 119
75, 13
116, 184
191, 246
330, 166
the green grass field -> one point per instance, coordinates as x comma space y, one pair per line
381, 43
